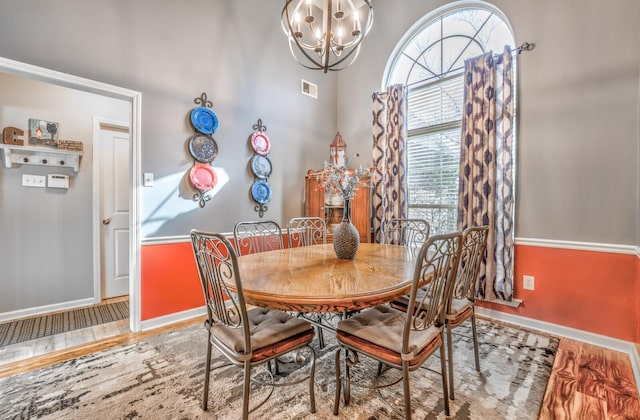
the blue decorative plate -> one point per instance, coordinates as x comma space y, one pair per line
261, 192
204, 120
261, 166
203, 148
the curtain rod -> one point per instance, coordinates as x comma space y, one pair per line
525, 46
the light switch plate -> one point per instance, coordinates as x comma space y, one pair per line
38, 181
148, 179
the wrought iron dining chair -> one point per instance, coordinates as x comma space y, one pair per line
304, 231
246, 338
399, 339
257, 236
461, 306
409, 232
412, 233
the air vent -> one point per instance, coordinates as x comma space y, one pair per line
309, 89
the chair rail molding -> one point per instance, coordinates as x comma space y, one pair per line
581, 246
545, 243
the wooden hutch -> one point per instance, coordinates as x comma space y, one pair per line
316, 204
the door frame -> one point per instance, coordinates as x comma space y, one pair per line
42, 74
99, 124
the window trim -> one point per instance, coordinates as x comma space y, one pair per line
400, 53
428, 18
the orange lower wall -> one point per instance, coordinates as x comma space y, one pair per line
591, 291
169, 281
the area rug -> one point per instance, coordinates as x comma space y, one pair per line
41, 326
162, 377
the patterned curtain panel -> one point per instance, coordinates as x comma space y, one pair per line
486, 167
389, 195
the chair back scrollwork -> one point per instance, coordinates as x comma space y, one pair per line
305, 231
412, 233
261, 236
474, 244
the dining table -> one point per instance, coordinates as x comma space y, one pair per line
312, 282
311, 279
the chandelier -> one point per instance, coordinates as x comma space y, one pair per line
326, 34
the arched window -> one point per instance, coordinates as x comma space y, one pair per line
429, 60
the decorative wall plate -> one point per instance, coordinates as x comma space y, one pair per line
203, 148
204, 120
261, 166
261, 192
203, 177
260, 143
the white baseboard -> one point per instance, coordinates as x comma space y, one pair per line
635, 365
39, 310
572, 333
162, 321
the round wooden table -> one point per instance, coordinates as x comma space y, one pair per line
313, 279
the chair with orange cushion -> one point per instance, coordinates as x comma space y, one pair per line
246, 338
461, 306
404, 339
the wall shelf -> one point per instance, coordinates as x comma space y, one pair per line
31, 155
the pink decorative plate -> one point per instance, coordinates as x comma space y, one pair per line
203, 177
260, 143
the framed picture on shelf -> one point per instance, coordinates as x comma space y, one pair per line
43, 132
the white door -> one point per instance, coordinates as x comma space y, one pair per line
114, 216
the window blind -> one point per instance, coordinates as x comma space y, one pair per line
433, 152
439, 102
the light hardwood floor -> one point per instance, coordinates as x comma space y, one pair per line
52, 343
46, 346
590, 382
20, 365
587, 382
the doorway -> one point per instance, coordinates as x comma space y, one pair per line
112, 160
134, 98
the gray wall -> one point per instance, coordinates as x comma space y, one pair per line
170, 51
578, 138
46, 233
